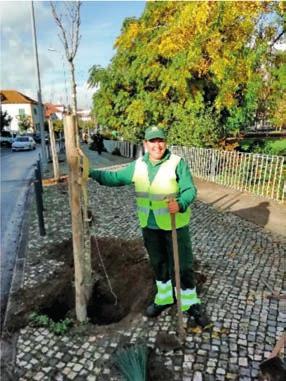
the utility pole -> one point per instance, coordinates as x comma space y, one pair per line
43, 143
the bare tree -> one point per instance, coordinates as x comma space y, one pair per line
68, 21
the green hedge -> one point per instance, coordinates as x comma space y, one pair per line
269, 147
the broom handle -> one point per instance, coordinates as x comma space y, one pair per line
279, 345
177, 276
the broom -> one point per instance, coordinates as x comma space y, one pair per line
132, 362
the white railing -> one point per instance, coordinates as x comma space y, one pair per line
263, 175
126, 149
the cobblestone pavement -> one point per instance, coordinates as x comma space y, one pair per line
236, 256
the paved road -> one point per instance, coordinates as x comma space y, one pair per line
16, 172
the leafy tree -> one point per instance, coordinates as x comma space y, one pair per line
24, 123
5, 120
58, 125
197, 69
277, 91
86, 125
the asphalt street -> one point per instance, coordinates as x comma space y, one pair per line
16, 173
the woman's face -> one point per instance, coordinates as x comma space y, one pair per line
156, 148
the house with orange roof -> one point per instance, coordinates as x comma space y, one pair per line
54, 112
16, 104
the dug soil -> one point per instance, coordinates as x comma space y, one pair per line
122, 285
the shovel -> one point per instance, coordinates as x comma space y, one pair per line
274, 368
181, 329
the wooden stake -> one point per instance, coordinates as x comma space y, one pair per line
54, 151
181, 329
77, 218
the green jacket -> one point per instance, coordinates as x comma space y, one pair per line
187, 189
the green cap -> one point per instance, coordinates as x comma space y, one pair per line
154, 132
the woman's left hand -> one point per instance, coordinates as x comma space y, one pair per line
173, 206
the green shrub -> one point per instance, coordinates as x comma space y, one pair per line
252, 145
268, 147
58, 328
275, 147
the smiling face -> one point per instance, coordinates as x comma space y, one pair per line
156, 148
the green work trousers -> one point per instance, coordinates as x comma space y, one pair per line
160, 249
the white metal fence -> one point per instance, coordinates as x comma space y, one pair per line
126, 149
263, 175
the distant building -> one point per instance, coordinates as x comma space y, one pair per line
84, 115
54, 112
16, 104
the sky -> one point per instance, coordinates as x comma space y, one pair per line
101, 22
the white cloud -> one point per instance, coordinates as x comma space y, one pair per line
84, 95
18, 68
16, 15
100, 26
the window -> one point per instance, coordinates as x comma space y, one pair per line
35, 111
21, 111
22, 139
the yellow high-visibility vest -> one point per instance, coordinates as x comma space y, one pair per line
154, 196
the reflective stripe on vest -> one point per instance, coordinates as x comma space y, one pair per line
154, 196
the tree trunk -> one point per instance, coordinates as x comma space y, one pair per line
81, 293
54, 151
74, 100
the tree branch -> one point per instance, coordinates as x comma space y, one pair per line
277, 38
59, 22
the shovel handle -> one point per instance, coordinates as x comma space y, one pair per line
177, 277
279, 345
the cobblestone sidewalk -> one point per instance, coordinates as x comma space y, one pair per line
236, 256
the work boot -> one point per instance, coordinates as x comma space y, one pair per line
199, 316
154, 310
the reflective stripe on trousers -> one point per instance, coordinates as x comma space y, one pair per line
165, 295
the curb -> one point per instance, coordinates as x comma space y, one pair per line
8, 341
18, 270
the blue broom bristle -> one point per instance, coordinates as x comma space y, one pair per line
132, 363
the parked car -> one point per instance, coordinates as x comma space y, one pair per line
6, 139
23, 143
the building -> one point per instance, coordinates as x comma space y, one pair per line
54, 112
84, 115
18, 104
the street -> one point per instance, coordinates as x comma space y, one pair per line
16, 172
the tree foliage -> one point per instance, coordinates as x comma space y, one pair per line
201, 70
58, 125
86, 125
5, 120
24, 123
